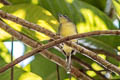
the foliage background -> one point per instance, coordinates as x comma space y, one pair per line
88, 15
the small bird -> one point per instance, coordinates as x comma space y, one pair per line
67, 28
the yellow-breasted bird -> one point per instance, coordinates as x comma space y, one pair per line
67, 28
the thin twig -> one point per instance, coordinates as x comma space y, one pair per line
58, 73
88, 67
44, 53
70, 76
12, 68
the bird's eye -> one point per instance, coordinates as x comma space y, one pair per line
60, 15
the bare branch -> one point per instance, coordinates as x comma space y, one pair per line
113, 55
5, 2
12, 68
88, 67
83, 50
44, 53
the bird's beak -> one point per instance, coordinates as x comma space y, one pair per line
60, 15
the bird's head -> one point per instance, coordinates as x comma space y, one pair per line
63, 18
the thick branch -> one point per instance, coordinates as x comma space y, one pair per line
83, 50
93, 55
45, 53
5, 2
113, 55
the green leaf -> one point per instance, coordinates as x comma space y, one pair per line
19, 73
87, 18
106, 43
85, 15
97, 3
33, 14
117, 6
19, 1
4, 53
4, 35
46, 69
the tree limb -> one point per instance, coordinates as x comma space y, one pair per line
88, 67
101, 51
5, 2
44, 53
83, 50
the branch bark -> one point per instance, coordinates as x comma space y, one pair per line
115, 56
88, 67
44, 53
83, 50
5, 2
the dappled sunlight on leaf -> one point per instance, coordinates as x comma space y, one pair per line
34, 1
1, 5
27, 68
29, 76
53, 21
46, 69
71, 78
118, 47
92, 22
86, 17
47, 12
102, 56
36, 35
16, 26
41, 16
117, 6
20, 13
4, 52
69, 1
45, 25
41, 36
4, 35
91, 73
96, 67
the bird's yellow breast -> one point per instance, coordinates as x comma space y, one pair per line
68, 29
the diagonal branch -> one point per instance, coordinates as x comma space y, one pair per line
45, 53
115, 56
5, 2
83, 50
88, 67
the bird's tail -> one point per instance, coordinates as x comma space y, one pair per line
68, 60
